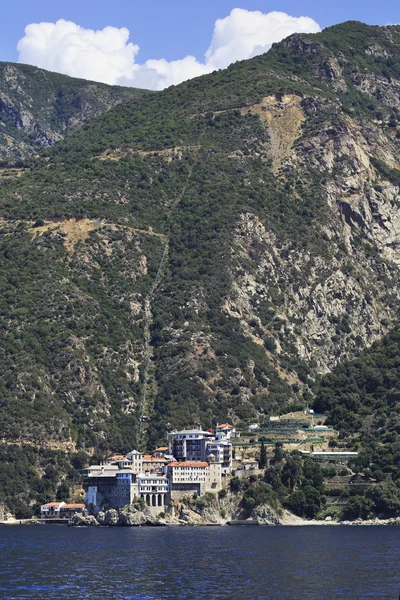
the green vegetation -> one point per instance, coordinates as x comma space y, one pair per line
300, 484
162, 264
69, 336
362, 399
39, 107
24, 489
392, 175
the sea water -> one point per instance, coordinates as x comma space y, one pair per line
243, 563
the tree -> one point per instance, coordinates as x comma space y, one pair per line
297, 503
263, 456
235, 484
62, 492
79, 460
278, 452
312, 474
386, 496
358, 507
292, 472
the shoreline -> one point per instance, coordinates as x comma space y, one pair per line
297, 522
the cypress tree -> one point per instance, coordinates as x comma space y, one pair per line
263, 456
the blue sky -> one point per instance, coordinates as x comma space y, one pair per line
172, 29
169, 29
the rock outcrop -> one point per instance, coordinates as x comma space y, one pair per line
79, 520
265, 515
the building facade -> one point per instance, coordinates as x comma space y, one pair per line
199, 446
220, 451
60, 510
225, 431
108, 486
191, 477
136, 461
153, 490
188, 444
154, 465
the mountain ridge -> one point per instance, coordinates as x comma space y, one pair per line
38, 107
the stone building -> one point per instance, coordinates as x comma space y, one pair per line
187, 478
109, 487
106, 485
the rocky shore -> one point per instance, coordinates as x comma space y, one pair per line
217, 513
113, 518
183, 515
132, 518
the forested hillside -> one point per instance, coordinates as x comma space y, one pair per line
204, 253
362, 399
37, 108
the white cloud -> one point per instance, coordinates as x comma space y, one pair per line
65, 47
244, 34
108, 56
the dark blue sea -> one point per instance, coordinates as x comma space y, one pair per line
253, 563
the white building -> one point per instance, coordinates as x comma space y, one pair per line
136, 460
221, 451
188, 444
60, 510
225, 431
51, 510
198, 445
154, 490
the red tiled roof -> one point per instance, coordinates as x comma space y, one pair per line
52, 504
188, 464
225, 426
73, 506
163, 449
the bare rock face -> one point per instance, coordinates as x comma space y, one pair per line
111, 517
321, 306
100, 516
79, 520
189, 516
135, 516
265, 515
5, 515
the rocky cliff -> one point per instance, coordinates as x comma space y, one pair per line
38, 108
214, 511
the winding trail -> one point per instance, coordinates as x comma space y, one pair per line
144, 407
148, 319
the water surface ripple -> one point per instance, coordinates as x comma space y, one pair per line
210, 563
